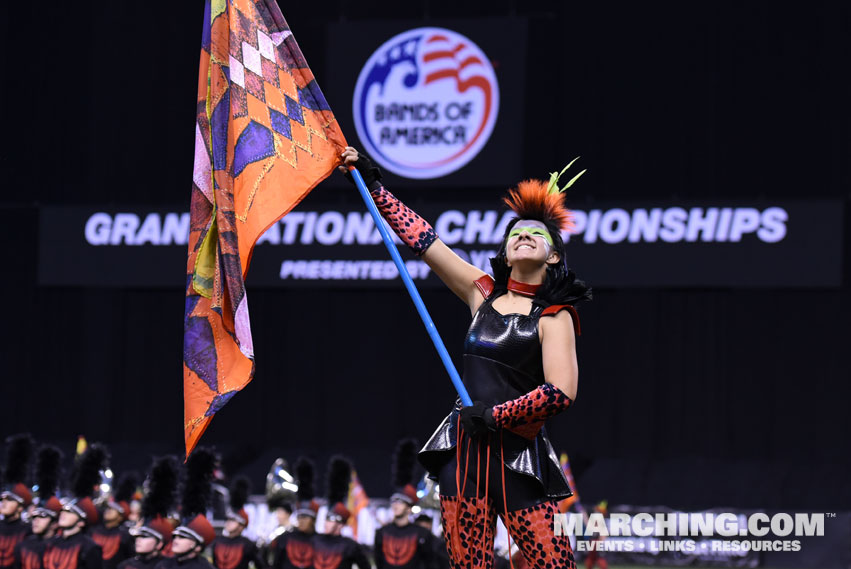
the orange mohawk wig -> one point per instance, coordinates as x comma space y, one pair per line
531, 200
536, 199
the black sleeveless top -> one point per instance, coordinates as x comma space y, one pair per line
503, 361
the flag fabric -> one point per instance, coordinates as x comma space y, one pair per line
565, 504
264, 137
82, 445
357, 501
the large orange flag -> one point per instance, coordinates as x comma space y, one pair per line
264, 137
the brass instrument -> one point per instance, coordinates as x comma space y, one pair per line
428, 491
281, 488
104, 488
280, 484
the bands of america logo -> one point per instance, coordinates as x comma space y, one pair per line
426, 103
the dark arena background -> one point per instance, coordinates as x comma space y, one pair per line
714, 372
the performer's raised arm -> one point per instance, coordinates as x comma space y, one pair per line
417, 233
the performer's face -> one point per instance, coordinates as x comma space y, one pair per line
400, 508
135, 511
182, 545
333, 528
40, 524
146, 544
111, 515
529, 241
233, 528
9, 507
306, 524
68, 519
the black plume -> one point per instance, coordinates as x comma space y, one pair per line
304, 476
19, 452
162, 488
199, 480
404, 461
87, 474
239, 492
128, 482
47, 465
339, 477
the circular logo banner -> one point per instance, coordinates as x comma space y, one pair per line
425, 103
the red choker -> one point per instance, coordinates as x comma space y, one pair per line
525, 289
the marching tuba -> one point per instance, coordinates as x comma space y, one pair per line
281, 488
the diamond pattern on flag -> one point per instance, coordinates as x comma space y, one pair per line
265, 137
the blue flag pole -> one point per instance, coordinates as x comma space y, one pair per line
412, 289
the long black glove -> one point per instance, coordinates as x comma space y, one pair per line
368, 170
477, 420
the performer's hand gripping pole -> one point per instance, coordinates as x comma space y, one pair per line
412, 289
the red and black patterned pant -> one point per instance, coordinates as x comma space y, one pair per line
469, 525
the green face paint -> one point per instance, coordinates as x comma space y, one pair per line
533, 231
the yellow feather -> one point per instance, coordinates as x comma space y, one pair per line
553, 188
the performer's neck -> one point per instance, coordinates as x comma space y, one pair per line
46, 534
530, 275
523, 288
401, 521
71, 531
